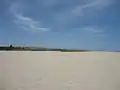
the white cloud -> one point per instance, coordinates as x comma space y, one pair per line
94, 30
93, 5
25, 22
28, 23
55, 18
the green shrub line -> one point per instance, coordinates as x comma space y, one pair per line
11, 48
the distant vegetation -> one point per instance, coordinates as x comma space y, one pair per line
12, 48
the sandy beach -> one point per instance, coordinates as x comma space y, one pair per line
34, 70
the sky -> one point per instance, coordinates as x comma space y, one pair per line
79, 24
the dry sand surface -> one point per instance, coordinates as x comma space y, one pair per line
25, 70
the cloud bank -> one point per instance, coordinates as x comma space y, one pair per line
92, 5
25, 22
57, 14
94, 30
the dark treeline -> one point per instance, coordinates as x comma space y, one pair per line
12, 48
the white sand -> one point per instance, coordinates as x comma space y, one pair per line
59, 71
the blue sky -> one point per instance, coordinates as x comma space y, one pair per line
83, 24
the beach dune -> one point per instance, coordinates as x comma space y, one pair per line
45, 70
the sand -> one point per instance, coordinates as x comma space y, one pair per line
25, 70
